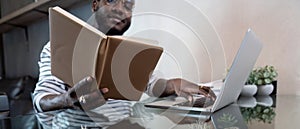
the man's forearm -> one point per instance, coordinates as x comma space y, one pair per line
54, 102
163, 88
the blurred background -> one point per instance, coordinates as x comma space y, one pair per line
200, 37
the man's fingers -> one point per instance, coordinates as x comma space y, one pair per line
207, 89
207, 92
95, 97
89, 79
104, 90
203, 92
87, 94
83, 83
85, 86
188, 96
92, 100
212, 94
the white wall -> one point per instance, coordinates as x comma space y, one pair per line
193, 49
195, 33
276, 22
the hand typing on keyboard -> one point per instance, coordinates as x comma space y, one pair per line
203, 102
184, 88
198, 101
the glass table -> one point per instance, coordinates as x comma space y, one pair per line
260, 112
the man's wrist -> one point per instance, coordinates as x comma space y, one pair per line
67, 101
54, 102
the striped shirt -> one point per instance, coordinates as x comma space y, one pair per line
49, 85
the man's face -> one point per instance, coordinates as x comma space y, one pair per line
113, 16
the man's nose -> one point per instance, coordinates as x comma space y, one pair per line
119, 7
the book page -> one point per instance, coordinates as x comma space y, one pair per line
74, 46
85, 55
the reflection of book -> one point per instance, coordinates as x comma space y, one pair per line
121, 64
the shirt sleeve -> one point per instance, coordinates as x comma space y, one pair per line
47, 84
153, 79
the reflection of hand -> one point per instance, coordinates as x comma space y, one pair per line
185, 89
85, 94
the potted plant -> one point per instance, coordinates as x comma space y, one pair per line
260, 81
249, 88
263, 78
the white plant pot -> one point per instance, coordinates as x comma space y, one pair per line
246, 101
249, 90
265, 89
265, 100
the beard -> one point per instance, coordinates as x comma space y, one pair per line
113, 31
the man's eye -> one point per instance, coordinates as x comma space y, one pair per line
111, 1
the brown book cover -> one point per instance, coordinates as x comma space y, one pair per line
122, 64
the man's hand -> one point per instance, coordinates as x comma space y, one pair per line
182, 88
83, 95
187, 89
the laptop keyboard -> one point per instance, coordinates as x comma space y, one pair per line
200, 102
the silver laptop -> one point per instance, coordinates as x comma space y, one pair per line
240, 69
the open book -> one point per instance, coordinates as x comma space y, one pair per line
122, 64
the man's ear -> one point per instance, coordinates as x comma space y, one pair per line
95, 5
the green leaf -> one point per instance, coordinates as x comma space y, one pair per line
259, 82
271, 67
274, 74
258, 109
266, 111
267, 81
264, 116
260, 75
266, 74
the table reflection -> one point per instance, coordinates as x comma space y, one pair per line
252, 113
138, 116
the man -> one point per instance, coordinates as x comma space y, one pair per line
112, 17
